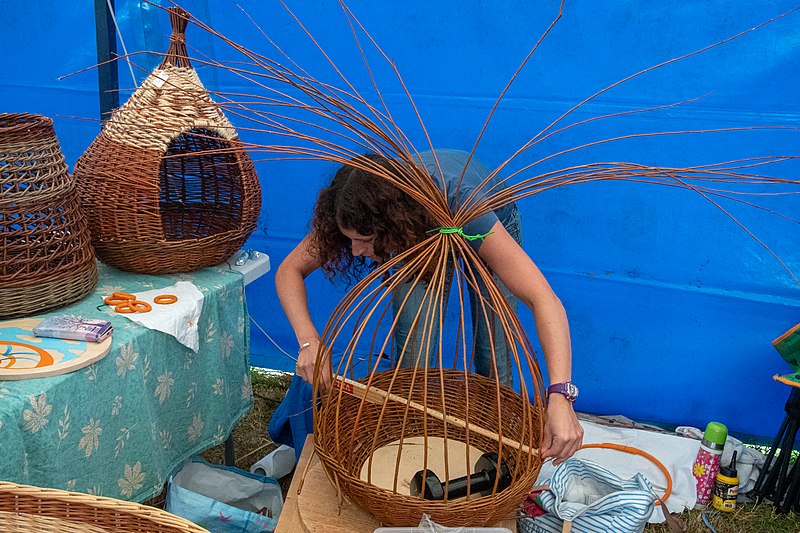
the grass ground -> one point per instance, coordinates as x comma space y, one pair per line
252, 443
748, 518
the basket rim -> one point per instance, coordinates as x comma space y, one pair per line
31, 120
102, 503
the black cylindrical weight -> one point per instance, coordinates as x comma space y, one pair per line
488, 463
427, 485
477, 482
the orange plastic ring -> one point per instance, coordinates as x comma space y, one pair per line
123, 296
117, 298
140, 306
124, 307
164, 299
133, 306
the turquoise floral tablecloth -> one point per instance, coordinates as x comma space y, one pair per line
120, 426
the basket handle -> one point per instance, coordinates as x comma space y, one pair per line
637, 451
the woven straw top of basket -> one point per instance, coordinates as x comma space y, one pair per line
169, 102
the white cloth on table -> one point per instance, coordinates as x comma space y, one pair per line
178, 319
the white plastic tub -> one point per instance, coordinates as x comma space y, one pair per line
422, 530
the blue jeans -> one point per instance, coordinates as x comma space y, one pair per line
415, 354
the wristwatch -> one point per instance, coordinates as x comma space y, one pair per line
568, 389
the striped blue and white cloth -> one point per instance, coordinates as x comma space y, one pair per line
594, 499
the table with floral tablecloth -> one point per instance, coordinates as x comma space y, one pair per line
120, 426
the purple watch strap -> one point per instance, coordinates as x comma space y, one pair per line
567, 389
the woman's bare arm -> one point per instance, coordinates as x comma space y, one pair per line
291, 287
563, 433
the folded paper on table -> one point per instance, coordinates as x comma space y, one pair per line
178, 319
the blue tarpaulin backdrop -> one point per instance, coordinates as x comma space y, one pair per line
672, 304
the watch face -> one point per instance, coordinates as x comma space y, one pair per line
572, 391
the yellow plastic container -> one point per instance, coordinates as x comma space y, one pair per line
726, 487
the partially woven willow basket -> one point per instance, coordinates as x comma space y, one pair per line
167, 185
347, 431
47, 260
34, 509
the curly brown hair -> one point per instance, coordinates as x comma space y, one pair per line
368, 204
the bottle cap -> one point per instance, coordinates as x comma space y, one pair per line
730, 471
716, 433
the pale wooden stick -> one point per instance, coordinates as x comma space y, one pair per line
378, 396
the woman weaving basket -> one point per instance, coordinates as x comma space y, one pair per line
361, 219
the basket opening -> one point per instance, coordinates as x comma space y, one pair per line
12, 125
201, 191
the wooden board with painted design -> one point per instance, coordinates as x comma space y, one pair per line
23, 355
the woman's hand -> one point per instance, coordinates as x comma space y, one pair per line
307, 360
563, 434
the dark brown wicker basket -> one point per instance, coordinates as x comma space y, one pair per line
47, 260
167, 186
345, 436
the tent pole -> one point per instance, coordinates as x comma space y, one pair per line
107, 79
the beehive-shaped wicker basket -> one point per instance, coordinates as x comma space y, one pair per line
47, 260
167, 186
40, 510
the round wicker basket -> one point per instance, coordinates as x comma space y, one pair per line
345, 436
27, 508
167, 186
47, 260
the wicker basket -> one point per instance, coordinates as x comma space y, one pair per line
47, 260
167, 186
345, 436
34, 509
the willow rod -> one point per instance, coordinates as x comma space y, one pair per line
378, 396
